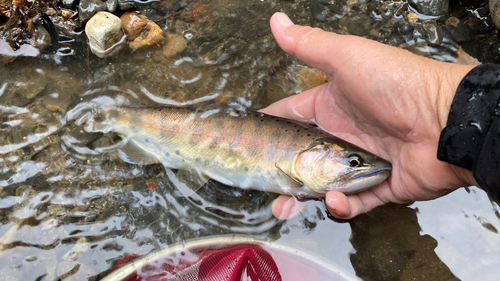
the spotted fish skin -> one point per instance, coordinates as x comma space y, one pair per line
254, 151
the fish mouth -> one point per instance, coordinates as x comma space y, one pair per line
372, 173
357, 175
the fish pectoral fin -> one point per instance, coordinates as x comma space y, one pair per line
134, 153
187, 181
293, 179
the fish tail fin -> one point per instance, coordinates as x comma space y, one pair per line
101, 119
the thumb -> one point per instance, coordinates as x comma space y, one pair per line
330, 52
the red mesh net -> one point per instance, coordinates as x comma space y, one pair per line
233, 264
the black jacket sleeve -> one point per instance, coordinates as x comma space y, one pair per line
471, 138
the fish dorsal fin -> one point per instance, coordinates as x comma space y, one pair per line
187, 181
134, 153
295, 180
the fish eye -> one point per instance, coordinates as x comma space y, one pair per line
355, 161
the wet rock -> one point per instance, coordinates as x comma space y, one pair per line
50, 12
435, 8
32, 47
310, 78
29, 85
68, 3
126, 5
412, 18
89, 7
40, 39
433, 33
57, 102
462, 32
66, 14
112, 5
133, 24
150, 35
360, 24
105, 34
318, 10
175, 45
452, 21
495, 12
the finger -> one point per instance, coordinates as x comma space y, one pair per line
346, 207
286, 207
323, 50
301, 107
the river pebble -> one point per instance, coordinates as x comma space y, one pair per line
433, 8
150, 35
40, 38
360, 24
495, 12
89, 7
105, 34
175, 44
133, 24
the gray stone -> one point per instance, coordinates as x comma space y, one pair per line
89, 7
359, 24
462, 32
435, 8
105, 33
41, 38
125, 5
112, 5
68, 3
495, 12
433, 33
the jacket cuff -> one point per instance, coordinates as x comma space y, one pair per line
471, 138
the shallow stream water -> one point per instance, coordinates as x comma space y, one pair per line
70, 208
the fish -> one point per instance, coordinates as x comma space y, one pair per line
250, 151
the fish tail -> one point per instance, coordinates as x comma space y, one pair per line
101, 119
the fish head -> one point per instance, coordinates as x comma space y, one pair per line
334, 164
101, 119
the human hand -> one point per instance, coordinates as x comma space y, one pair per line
381, 98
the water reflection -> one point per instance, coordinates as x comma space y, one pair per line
389, 246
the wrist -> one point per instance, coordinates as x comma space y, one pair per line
452, 75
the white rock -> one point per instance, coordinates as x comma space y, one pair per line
494, 6
105, 33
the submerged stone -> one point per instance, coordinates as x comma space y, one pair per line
105, 34
360, 24
87, 8
435, 8
133, 24
175, 45
494, 6
150, 35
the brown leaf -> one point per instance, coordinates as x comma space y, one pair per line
30, 27
17, 4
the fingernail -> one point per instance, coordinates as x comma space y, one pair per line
284, 20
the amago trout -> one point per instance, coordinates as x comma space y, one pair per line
255, 151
